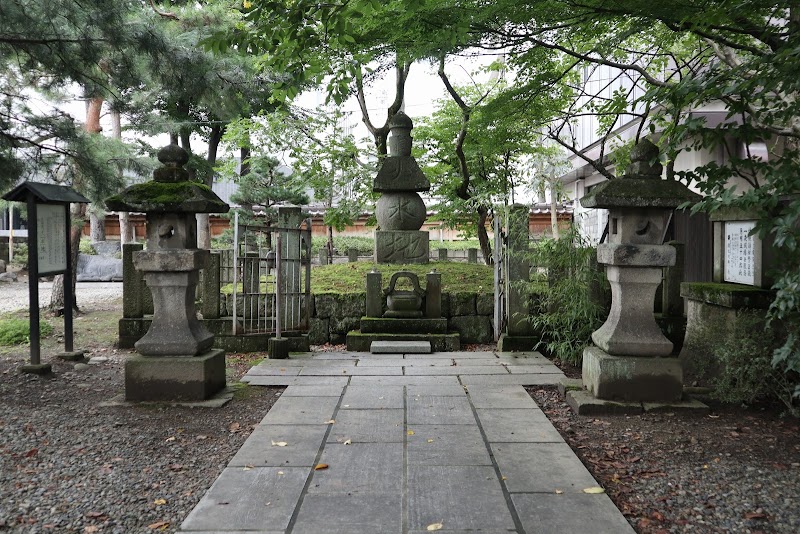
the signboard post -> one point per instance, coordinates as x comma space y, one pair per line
48, 254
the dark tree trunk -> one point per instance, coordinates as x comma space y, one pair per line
483, 235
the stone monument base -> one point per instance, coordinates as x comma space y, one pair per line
174, 378
401, 246
631, 378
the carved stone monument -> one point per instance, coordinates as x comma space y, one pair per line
400, 210
176, 361
630, 361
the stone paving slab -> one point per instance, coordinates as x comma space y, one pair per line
404, 380
368, 426
404, 451
301, 411
483, 396
447, 445
301, 445
570, 513
541, 468
457, 370
351, 371
350, 514
453, 390
313, 391
439, 410
368, 397
249, 499
360, 468
515, 425
522, 379
535, 369
461, 497
400, 347
340, 381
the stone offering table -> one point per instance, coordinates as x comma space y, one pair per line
175, 360
631, 360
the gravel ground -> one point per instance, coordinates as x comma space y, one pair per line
70, 464
735, 470
14, 295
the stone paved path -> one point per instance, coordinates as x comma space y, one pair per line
411, 442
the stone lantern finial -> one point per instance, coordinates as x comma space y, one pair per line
644, 161
173, 159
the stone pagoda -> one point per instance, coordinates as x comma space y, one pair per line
400, 210
631, 361
175, 361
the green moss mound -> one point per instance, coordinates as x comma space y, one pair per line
352, 277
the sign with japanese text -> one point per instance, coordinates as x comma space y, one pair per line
51, 242
740, 256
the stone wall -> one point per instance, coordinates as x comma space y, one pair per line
333, 316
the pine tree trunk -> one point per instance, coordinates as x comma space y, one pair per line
97, 225
78, 215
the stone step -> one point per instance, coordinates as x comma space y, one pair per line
400, 347
377, 325
360, 342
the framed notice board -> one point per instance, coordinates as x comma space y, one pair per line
51, 243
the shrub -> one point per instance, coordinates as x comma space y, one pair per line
20, 254
86, 247
18, 331
573, 301
746, 373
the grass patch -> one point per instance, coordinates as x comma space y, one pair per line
352, 277
18, 331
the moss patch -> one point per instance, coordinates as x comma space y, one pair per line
167, 197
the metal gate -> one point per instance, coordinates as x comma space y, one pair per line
271, 278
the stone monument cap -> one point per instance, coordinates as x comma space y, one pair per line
170, 191
641, 186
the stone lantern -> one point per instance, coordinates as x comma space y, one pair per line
400, 210
630, 361
176, 361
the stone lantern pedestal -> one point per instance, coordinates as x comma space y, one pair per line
175, 360
631, 361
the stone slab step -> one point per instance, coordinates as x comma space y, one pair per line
360, 342
400, 347
377, 325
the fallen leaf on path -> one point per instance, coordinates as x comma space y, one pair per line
330, 421
234, 427
320, 467
279, 443
159, 525
348, 442
159, 502
594, 489
755, 515
430, 441
31, 453
434, 526
171, 438
90, 529
410, 432
559, 492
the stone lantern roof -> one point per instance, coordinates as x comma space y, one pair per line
641, 185
170, 191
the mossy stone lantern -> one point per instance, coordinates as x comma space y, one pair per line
631, 360
176, 361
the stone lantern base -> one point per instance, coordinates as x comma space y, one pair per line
174, 378
632, 378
